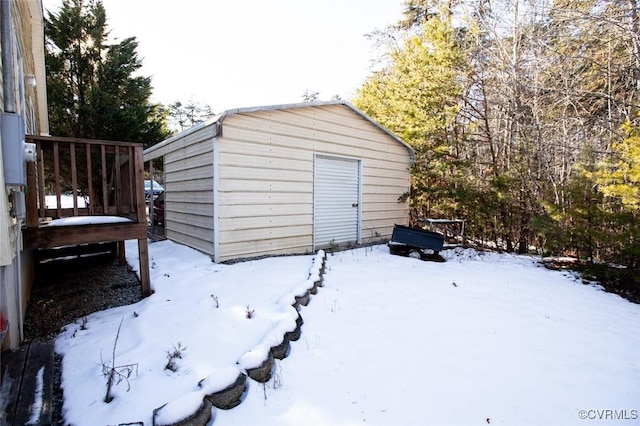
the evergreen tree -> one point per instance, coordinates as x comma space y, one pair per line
416, 96
92, 88
619, 177
618, 180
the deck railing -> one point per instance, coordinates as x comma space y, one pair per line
81, 177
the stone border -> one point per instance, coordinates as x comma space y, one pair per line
231, 396
199, 418
294, 335
282, 350
262, 373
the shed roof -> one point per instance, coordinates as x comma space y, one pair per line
219, 119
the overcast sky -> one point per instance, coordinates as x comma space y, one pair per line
240, 53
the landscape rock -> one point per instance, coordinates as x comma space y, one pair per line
303, 300
231, 396
170, 414
282, 350
262, 374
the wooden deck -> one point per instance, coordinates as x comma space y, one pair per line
27, 385
95, 178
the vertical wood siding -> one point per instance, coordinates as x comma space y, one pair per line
266, 177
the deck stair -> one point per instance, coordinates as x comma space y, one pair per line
26, 393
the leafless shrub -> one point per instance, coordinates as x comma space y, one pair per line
173, 356
250, 312
116, 373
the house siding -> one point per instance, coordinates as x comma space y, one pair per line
266, 177
188, 181
27, 29
265, 206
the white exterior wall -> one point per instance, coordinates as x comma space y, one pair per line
188, 181
266, 177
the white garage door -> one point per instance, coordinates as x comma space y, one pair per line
336, 201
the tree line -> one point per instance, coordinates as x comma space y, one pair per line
524, 118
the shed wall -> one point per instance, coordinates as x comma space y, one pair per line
266, 177
188, 175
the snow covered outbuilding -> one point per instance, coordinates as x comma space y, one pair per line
283, 179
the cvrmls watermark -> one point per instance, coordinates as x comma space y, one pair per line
608, 414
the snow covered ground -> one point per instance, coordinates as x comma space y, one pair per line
66, 201
480, 339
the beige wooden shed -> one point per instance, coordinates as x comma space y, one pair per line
283, 179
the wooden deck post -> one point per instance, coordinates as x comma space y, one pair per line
122, 255
143, 255
32, 197
143, 243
